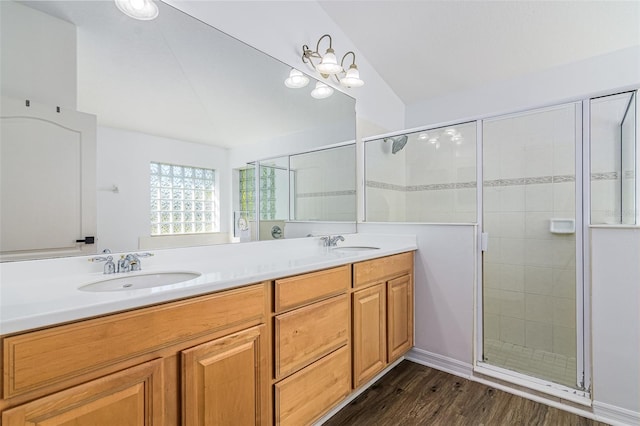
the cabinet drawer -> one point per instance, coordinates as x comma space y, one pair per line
306, 334
303, 289
48, 357
305, 396
375, 270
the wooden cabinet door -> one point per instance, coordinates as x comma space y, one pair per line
305, 396
132, 397
225, 381
399, 317
369, 333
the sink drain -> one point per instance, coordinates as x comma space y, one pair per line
127, 285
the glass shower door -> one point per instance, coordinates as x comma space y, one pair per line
529, 267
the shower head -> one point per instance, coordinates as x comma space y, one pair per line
398, 143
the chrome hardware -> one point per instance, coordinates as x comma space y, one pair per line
126, 263
333, 241
133, 260
329, 241
109, 266
123, 264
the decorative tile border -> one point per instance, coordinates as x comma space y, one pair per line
326, 194
471, 185
604, 176
384, 185
628, 174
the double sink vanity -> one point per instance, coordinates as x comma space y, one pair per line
276, 332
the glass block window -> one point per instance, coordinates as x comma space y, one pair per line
183, 200
267, 193
248, 193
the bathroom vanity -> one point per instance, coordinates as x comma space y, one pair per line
268, 348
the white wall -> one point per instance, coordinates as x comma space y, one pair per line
598, 75
123, 160
280, 28
445, 269
38, 59
615, 316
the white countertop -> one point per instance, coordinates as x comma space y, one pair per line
41, 293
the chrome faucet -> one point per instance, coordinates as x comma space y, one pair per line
109, 266
329, 241
126, 263
131, 262
333, 241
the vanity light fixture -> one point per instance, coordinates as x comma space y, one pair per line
296, 80
321, 91
328, 64
144, 10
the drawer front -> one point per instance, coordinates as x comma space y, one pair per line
50, 356
307, 334
371, 271
307, 395
304, 289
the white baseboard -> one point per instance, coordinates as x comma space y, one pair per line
615, 415
440, 362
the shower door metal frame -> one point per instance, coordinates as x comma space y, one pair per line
580, 394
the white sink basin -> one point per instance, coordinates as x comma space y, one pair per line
138, 281
354, 248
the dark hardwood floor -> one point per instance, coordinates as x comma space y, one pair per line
412, 394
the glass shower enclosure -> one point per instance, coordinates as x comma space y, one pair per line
533, 243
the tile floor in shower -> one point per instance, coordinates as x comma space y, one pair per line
535, 362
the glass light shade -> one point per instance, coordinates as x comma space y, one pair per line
321, 91
296, 79
352, 78
329, 63
144, 10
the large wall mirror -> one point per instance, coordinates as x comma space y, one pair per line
178, 109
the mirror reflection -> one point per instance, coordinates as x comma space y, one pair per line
173, 92
298, 195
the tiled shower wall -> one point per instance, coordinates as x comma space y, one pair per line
428, 181
325, 185
529, 273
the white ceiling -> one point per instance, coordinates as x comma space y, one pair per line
424, 49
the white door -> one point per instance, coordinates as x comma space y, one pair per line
47, 181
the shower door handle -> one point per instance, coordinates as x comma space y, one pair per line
484, 241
